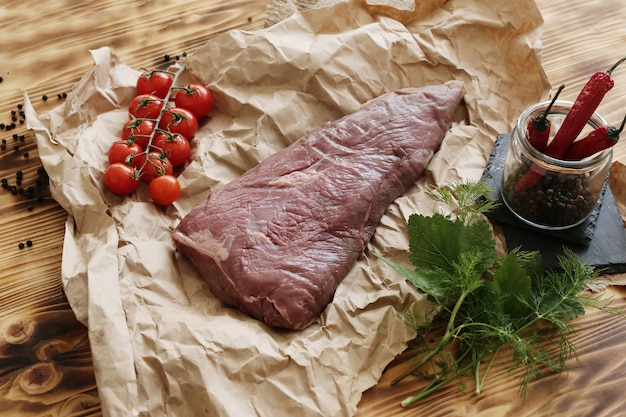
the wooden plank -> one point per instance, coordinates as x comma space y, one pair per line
592, 387
580, 38
45, 364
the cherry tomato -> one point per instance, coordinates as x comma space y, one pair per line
138, 131
156, 165
121, 179
164, 190
120, 150
196, 98
145, 106
175, 147
181, 121
157, 83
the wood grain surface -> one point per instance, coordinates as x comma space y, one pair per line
45, 362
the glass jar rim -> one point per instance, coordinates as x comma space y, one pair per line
559, 107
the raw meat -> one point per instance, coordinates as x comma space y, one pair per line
277, 242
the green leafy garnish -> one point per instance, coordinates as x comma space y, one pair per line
485, 302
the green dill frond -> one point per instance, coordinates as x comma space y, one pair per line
468, 271
600, 303
468, 199
442, 194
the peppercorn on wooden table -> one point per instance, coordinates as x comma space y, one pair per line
44, 51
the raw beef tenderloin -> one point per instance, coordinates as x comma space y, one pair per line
276, 242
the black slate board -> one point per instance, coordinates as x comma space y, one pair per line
600, 241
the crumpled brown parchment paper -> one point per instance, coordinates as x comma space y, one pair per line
617, 182
162, 344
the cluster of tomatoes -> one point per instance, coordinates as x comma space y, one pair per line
156, 139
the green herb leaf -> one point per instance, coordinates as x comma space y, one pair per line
429, 281
438, 242
513, 285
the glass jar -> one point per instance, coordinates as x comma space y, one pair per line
564, 193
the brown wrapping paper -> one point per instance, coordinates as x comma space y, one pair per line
162, 344
617, 182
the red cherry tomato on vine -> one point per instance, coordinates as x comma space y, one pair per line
154, 82
121, 179
196, 98
154, 166
181, 121
145, 106
164, 190
175, 147
138, 131
120, 150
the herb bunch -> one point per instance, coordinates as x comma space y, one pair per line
487, 303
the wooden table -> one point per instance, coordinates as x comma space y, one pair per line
45, 52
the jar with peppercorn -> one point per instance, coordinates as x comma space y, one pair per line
548, 192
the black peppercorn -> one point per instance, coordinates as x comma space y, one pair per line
555, 200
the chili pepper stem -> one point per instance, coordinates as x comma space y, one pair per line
610, 70
540, 122
621, 127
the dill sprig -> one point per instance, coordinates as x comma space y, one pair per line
484, 302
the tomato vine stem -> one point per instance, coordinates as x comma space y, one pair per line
165, 100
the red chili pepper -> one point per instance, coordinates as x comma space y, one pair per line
583, 108
599, 139
530, 178
538, 129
